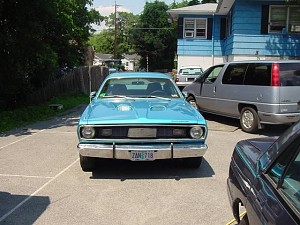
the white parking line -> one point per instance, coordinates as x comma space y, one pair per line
37, 191
234, 220
24, 176
21, 139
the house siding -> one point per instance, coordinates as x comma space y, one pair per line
267, 45
247, 38
246, 17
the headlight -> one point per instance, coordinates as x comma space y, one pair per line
196, 132
88, 132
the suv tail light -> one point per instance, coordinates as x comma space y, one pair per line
275, 75
177, 79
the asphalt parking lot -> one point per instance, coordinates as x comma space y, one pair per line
42, 182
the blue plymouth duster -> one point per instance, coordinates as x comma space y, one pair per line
140, 117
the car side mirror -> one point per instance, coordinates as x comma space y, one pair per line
200, 79
185, 94
92, 95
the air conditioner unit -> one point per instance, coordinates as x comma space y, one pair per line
295, 28
189, 34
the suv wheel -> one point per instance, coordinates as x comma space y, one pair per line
87, 164
194, 162
249, 120
193, 102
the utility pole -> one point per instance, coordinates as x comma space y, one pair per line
116, 31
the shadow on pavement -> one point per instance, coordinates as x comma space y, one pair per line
221, 123
158, 169
68, 118
26, 214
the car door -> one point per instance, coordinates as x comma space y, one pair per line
275, 198
231, 90
207, 91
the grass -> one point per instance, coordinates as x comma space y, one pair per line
10, 120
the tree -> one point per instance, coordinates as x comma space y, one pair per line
208, 1
176, 5
103, 41
36, 38
194, 2
154, 37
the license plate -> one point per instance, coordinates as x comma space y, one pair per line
142, 155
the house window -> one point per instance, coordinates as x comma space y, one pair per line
284, 19
195, 28
294, 19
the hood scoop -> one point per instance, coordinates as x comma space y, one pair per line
158, 108
124, 108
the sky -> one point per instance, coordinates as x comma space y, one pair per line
106, 7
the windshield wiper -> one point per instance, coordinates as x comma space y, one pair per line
118, 96
158, 97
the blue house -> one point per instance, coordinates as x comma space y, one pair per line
234, 30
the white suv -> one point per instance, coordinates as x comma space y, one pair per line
187, 74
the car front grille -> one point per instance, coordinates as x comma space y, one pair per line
122, 132
143, 132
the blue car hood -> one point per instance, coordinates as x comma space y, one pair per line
144, 111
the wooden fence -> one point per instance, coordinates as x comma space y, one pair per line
77, 80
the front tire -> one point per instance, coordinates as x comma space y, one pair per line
194, 162
88, 164
249, 120
193, 102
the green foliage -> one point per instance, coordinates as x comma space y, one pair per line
36, 38
176, 5
208, 1
154, 37
27, 115
104, 41
194, 2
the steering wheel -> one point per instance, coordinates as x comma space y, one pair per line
158, 93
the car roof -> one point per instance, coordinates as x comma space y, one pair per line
192, 66
265, 61
138, 75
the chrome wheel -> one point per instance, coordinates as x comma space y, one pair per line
249, 120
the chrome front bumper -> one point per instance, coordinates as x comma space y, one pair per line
161, 151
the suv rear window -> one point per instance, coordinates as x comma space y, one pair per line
289, 74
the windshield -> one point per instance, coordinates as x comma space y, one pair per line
139, 88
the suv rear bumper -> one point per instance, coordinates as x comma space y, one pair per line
272, 118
